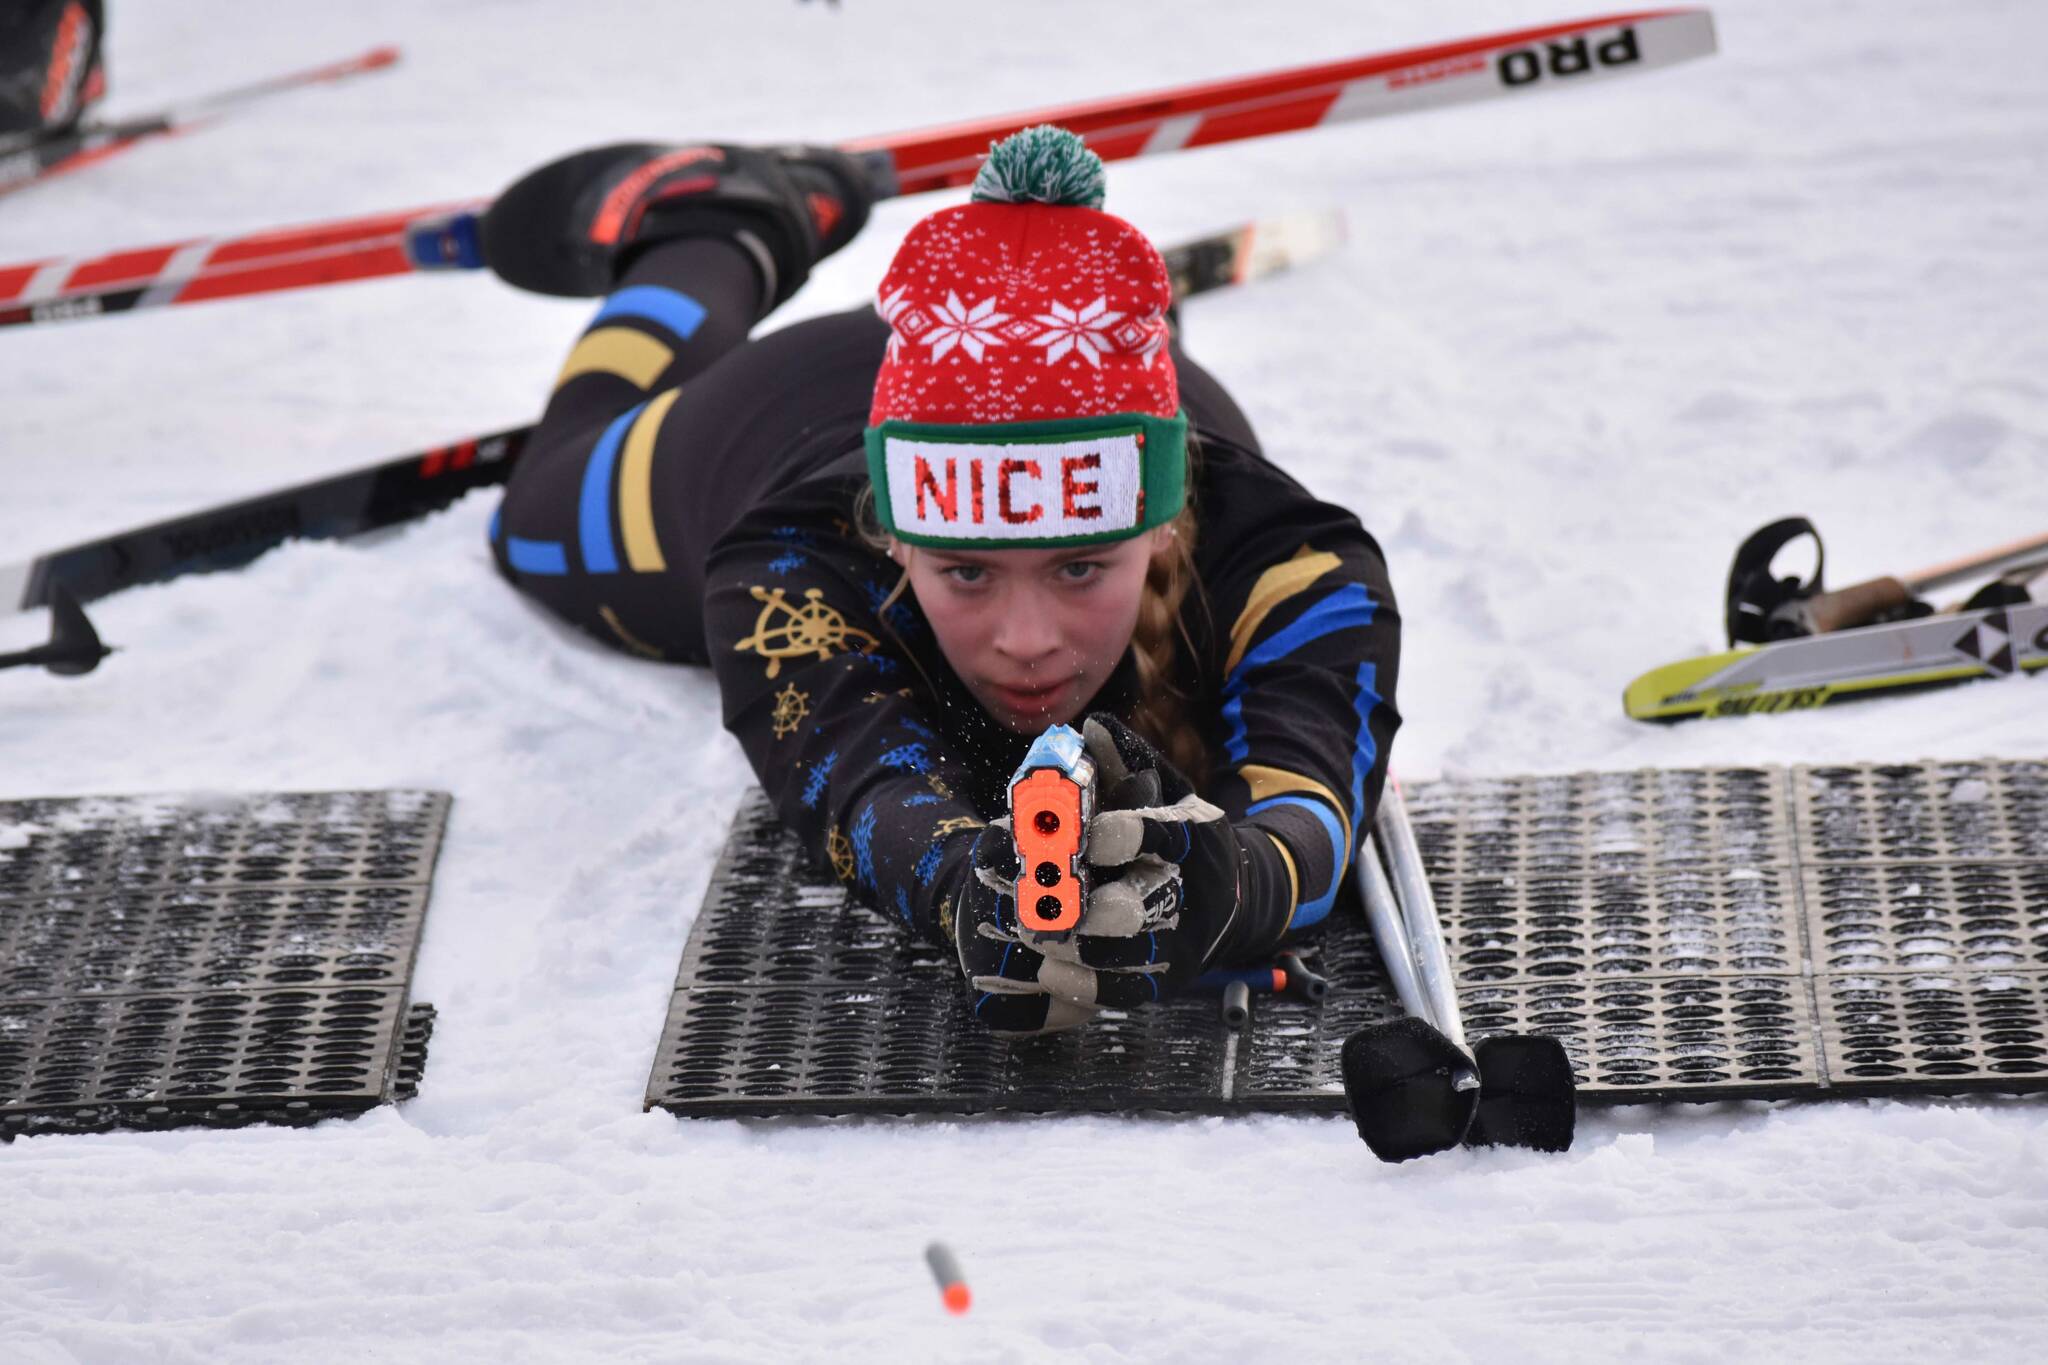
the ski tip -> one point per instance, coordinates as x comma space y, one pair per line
1290, 240
377, 58
1666, 693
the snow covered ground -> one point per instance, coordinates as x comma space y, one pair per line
1574, 351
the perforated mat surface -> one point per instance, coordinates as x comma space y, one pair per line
170, 960
1688, 933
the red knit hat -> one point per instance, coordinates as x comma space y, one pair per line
1027, 397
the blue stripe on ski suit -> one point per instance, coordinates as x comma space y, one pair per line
667, 308
1312, 912
1350, 605
594, 507
1364, 749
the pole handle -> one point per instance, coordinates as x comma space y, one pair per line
1855, 605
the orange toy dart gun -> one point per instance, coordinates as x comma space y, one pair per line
1052, 796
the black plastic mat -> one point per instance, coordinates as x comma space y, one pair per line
202, 959
1691, 934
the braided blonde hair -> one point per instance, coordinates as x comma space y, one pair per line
1162, 713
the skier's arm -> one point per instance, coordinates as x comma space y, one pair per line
832, 720
1310, 642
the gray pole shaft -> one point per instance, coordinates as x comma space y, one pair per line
1418, 911
1387, 930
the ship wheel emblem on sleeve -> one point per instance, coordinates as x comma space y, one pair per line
782, 631
839, 849
791, 706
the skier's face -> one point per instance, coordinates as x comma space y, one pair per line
1033, 633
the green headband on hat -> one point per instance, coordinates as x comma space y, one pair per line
1017, 485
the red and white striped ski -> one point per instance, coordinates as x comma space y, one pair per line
1473, 69
231, 267
1505, 65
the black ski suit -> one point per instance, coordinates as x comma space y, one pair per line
690, 496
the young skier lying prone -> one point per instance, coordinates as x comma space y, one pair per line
909, 539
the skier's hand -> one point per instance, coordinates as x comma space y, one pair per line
1169, 875
1162, 905
1000, 963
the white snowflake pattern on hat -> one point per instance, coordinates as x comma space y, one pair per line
971, 327
1023, 312
1085, 331
892, 309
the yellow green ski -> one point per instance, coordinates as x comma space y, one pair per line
1818, 670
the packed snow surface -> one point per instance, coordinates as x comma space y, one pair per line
1575, 349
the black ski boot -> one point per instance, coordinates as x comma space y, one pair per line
571, 227
50, 68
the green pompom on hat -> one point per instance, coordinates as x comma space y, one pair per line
1041, 165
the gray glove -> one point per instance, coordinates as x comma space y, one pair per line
1163, 905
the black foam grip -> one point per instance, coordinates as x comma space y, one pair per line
1399, 1078
1527, 1096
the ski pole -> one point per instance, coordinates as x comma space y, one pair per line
74, 646
1411, 1088
1415, 1085
1858, 603
1424, 932
1388, 932
2019, 578
2028, 553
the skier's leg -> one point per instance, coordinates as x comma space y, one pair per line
662, 429
558, 531
693, 245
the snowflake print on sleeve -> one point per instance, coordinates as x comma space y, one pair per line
911, 757
864, 848
896, 615
814, 784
